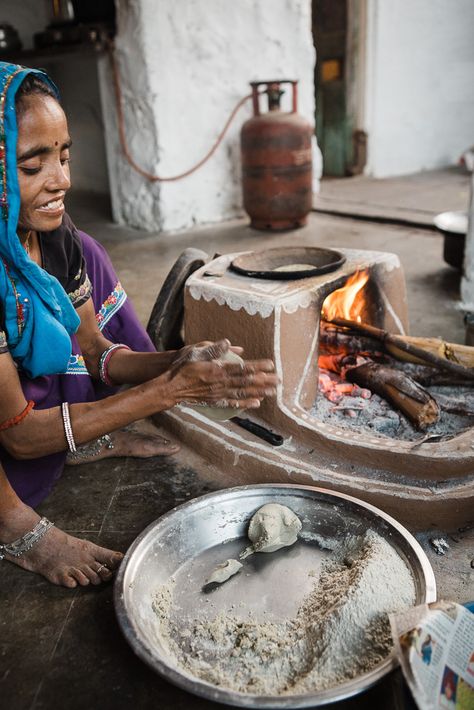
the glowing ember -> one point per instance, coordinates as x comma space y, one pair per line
334, 390
347, 302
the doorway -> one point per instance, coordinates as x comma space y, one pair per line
339, 38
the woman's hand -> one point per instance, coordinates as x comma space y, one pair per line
203, 352
217, 384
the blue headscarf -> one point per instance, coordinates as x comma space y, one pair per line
39, 317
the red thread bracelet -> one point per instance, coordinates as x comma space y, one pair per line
13, 421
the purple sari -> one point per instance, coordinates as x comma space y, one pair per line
33, 479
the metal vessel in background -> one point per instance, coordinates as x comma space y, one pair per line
276, 161
77, 22
9, 39
453, 225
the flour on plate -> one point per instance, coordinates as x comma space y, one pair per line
340, 630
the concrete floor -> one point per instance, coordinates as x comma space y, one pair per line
410, 198
61, 648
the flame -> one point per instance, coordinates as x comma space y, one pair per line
347, 302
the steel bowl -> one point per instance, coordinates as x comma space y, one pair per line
190, 540
453, 226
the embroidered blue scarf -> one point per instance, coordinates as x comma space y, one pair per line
39, 317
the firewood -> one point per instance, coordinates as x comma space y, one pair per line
335, 340
401, 391
403, 346
429, 377
455, 405
333, 363
340, 363
452, 352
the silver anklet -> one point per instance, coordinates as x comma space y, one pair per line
92, 448
18, 547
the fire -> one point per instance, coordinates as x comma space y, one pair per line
347, 302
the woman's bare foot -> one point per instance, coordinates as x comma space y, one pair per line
125, 442
61, 558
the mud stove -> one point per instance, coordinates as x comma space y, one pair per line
430, 483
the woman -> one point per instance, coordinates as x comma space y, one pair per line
68, 337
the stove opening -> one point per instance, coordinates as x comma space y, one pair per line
368, 385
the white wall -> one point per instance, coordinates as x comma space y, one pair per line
420, 78
183, 68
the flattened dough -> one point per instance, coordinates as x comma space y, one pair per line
224, 571
295, 267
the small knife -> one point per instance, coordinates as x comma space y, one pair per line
262, 432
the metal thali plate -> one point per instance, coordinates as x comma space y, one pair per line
189, 541
271, 263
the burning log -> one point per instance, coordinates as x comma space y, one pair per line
400, 390
419, 350
429, 377
333, 363
336, 340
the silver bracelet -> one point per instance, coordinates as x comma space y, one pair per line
104, 362
68, 427
18, 547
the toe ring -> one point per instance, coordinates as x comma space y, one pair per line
100, 568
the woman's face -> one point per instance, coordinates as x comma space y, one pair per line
43, 163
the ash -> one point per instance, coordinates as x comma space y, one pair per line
340, 631
360, 409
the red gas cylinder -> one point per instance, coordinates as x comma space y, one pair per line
276, 162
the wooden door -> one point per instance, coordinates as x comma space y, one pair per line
332, 125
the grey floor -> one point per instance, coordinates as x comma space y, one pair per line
62, 648
409, 198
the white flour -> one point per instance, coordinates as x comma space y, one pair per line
341, 628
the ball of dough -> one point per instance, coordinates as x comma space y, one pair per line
272, 527
222, 414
